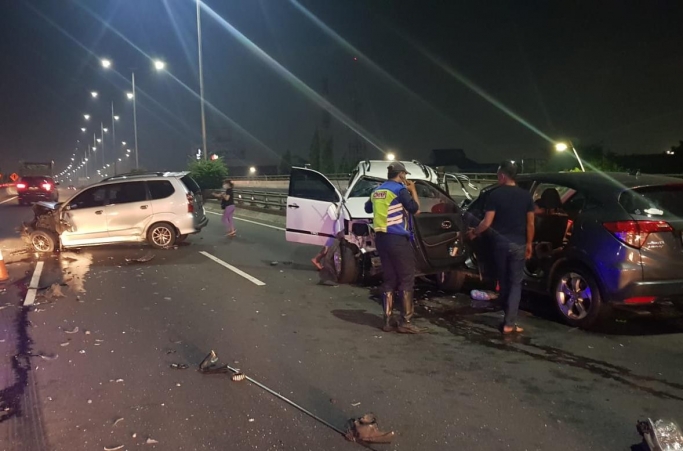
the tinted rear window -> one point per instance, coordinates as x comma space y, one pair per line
191, 185
664, 200
36, 180
160, 189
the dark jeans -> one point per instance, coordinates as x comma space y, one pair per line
398, 262
510, 262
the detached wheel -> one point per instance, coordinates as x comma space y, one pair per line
161, 235
345, 264
451, 280
43, 241
577, 298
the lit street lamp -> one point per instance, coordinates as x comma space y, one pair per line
106, 63
123, 143
94, 94
130, 95
159, 65
390, 156
83, 129
561, 147
252, 170
87, 117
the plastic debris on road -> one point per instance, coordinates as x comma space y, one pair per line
144, 259
664, 435
72, 331
180, 366
366, 430
117, 421
238, 376
113, 448
151, 441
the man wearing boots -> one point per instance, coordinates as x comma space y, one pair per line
392, 203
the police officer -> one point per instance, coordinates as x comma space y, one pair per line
392, 203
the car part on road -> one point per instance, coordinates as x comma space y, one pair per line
43, 241
144, 259
660, 435
577, 297
210, 366
366, 430
72, 331
161, 235
180, 366
238, 376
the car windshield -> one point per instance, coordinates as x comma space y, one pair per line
662, 200
364, 187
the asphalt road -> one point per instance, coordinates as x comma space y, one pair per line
461, 386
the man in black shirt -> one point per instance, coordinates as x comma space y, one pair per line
510, 215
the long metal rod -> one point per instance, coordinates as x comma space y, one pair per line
576, 154
288, 401
201, 76
135, 122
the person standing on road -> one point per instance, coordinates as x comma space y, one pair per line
392, 203
510, 215
228, 206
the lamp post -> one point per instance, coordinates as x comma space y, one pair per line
561, 147
201, 76
390, 156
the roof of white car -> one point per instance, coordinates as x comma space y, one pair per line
378, 169
144, 176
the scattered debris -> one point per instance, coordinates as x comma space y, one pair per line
366, 430
89, 401
355, 404
134, 435
119, 380
117, 421
66, 343
113, 448
167, 299
47, 356
87, 332
179, 366
274, 263
151, 441
72, 331
82, 351
144, 259
251, 420
660, 434
55, 291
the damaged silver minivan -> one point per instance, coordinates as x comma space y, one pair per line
158, 208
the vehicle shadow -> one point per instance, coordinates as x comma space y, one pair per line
360, 317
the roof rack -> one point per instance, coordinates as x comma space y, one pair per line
131, 175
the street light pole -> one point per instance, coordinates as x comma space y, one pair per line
135, 121
576, 154
102, 141
201, 77
113, 131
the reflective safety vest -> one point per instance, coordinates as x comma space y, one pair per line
389, 215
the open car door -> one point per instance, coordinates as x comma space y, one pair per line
313, 208
438, 228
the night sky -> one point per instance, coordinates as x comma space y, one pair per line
593, 71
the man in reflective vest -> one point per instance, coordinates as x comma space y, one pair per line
392, 203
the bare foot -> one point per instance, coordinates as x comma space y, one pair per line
317, 264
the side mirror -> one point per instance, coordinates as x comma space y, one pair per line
333, 212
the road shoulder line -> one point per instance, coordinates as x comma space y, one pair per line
8, 200
237, 271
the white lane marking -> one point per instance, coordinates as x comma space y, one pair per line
33, 287
8, 200
237, 271
253, 222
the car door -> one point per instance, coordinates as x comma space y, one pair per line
84, 218
438, 228
310, 197
128, 210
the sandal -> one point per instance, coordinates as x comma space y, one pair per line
513, 330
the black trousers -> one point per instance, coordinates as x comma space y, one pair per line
398, 261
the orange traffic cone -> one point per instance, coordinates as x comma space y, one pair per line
4, 275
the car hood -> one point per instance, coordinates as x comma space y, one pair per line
49, 205
356, 208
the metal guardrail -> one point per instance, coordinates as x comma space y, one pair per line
344, 176
260, 198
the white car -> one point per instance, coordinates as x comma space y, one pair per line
159, 208
318, 214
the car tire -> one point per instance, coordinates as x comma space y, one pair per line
161, 235
452, 281
346, 265
181, 238
43, 241
572, 287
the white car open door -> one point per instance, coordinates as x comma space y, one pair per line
313, 207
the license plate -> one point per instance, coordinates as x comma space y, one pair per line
33, 188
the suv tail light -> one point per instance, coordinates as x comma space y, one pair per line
46, 186
190, 203
21, 185
635, 233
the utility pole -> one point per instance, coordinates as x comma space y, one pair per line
201, 77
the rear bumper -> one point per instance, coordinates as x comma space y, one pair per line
36, 197
661, 290
203, 223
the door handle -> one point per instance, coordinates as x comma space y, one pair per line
292, 206
99, 212
446, 225
143, 207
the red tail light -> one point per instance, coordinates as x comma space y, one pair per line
21, 185
640, 300
46, 186
635, 233
190, 203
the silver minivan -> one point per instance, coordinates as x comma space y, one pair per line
160, 208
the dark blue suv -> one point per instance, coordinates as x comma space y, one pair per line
602, 240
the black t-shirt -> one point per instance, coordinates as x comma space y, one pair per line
511, 204
231, 201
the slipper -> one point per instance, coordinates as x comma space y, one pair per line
514, 330
317, 264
